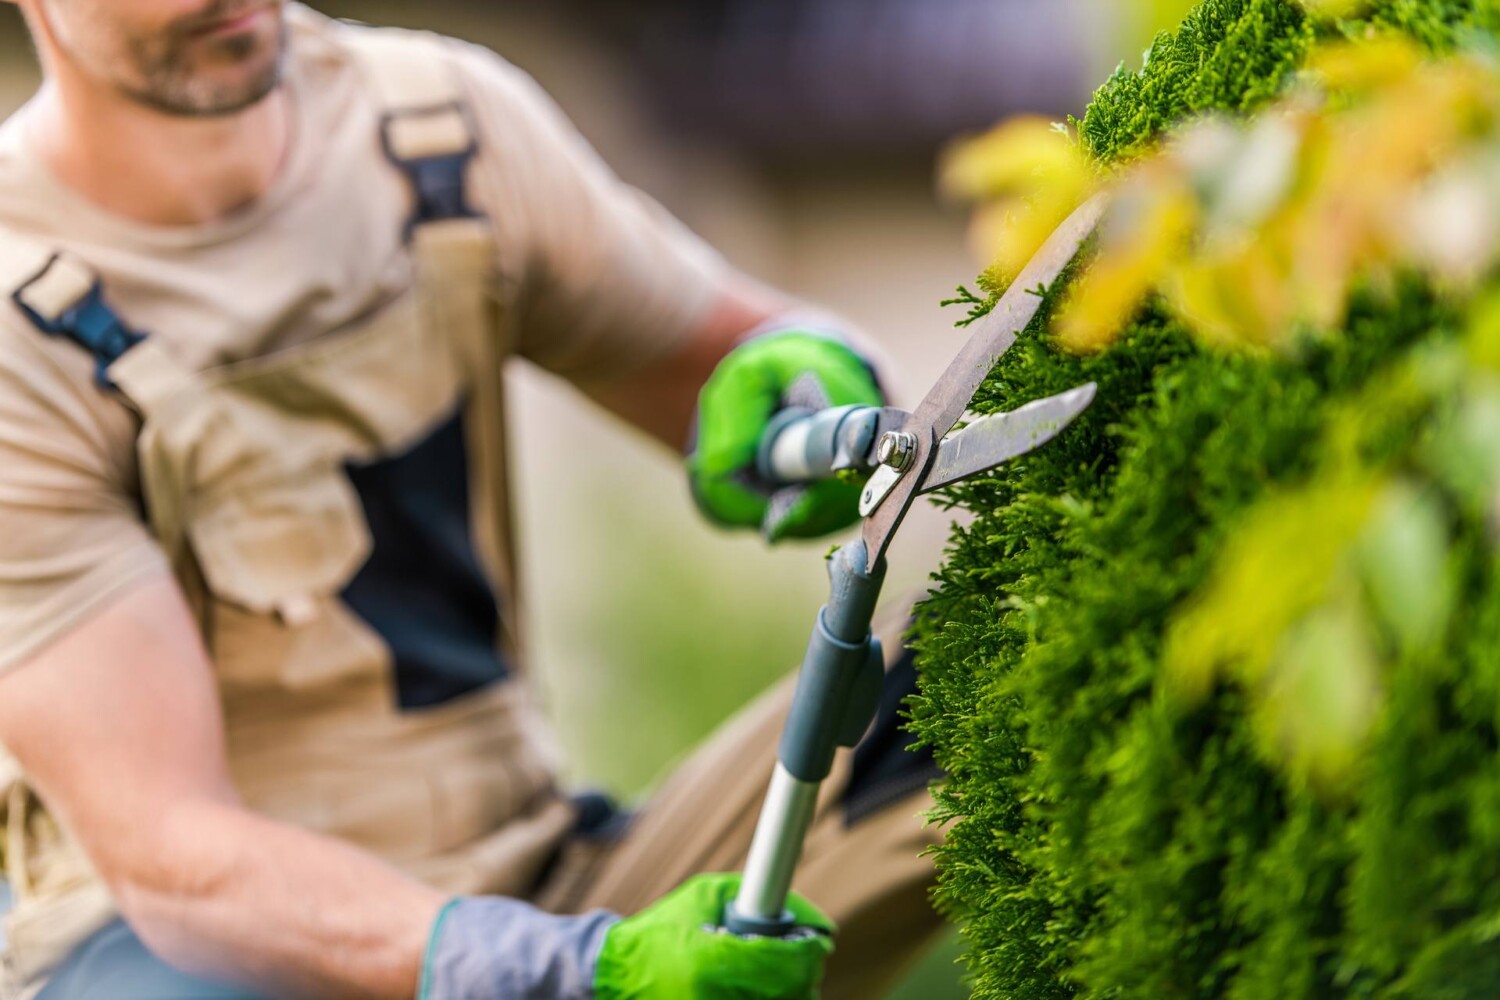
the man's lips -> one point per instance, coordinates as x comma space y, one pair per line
235, 24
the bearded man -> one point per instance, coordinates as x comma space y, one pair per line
259, 678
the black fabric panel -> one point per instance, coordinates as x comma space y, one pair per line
424, 589
885, 771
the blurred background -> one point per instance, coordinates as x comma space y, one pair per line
799, 137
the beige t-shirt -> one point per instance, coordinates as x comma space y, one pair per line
597, 279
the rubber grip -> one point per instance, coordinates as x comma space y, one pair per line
806, 446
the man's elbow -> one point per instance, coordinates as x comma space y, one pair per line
168, 875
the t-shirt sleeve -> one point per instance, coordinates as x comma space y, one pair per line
604, 279
71, 533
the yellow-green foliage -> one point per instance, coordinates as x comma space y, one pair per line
1216, 675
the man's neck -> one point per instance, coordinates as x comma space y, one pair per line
155, 168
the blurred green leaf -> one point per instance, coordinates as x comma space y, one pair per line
1279, 564
1321, 695
1404, 559
1465, 451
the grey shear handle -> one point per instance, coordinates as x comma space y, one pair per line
838, 694
806, 446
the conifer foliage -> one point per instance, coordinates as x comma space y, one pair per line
1216, 674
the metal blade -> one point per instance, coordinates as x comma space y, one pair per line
995, 333
993, 336
994, 440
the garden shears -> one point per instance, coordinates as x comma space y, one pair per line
908, 454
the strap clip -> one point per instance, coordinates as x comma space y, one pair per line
87, 319
433, 146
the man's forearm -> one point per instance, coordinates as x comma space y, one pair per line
660, 399
231, 895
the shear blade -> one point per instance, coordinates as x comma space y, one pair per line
946, 402
994, 440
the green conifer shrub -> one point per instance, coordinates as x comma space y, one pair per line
1108, 839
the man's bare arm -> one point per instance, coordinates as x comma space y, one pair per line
660, 399
119, 725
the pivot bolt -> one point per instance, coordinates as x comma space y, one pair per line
897, 449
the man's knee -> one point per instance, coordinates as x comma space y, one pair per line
115, 965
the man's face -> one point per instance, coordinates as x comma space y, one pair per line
183, 57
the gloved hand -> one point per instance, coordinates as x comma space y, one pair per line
734, 409
674, 951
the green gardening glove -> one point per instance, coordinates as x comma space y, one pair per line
675, 951
736, 406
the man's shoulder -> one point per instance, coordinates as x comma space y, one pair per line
45, 381
346, 43
501, 92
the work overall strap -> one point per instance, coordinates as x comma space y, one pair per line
64, 297
429, 134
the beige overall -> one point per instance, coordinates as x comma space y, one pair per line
243, 474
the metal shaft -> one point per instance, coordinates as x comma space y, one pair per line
784, 819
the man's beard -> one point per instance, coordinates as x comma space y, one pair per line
169, 75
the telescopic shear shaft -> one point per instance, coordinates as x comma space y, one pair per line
838, 694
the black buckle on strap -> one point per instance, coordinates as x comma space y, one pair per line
90, 322
439, 182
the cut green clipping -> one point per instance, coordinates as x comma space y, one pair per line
673, 951
736, 406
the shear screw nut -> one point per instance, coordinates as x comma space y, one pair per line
897, 449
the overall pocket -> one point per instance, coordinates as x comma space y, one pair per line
274, 557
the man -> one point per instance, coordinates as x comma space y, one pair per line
262, 272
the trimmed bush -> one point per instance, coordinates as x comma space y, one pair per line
1329, 831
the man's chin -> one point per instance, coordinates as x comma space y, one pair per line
203, 101
214, 93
